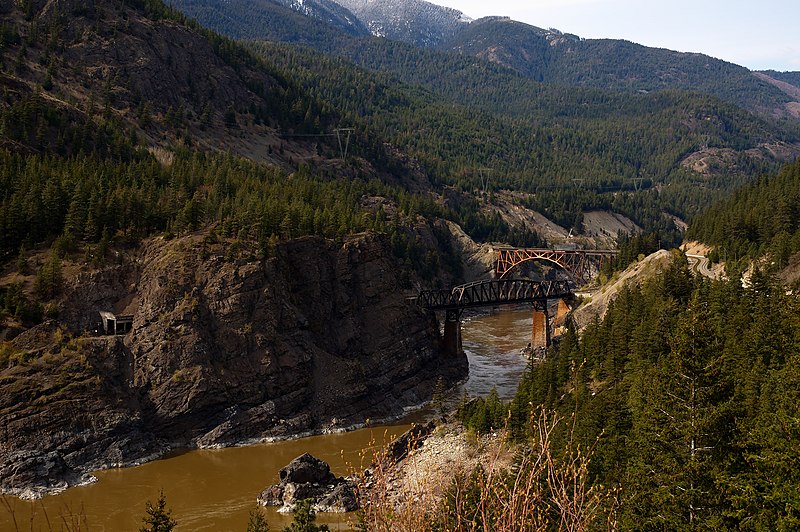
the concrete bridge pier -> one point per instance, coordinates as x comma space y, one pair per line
540, 335
562, 312
451, 339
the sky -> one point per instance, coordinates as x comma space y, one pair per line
759, 35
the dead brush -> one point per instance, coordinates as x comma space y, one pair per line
544, 489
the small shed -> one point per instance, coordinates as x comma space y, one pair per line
112, 324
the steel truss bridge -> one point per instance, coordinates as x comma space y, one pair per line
493, 293
580, 265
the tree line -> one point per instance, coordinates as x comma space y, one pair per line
757, 220
686, 390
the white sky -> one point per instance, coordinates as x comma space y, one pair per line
759, 35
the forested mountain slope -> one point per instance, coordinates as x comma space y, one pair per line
317, 26
542, 137
553, 57
763, 218
549, 56
793, 78
98, 96
137, 68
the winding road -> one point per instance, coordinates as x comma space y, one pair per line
700, 264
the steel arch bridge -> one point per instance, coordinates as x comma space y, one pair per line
580, 264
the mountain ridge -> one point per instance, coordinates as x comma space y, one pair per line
549, 56
412, 21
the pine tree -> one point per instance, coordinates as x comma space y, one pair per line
22, 261
437, 401
680, 436
49, 279
305, 519
158, 517
257, 521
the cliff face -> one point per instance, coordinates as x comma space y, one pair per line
318, 336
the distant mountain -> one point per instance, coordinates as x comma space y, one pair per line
285, 20
108, 78
330, 12
786, 82
545, 55
550, 56
412, 21
521, 47
722, 142
793, 78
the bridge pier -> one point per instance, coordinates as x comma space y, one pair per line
540, 335
561, 313
451, 339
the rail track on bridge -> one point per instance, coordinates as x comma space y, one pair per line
494, 293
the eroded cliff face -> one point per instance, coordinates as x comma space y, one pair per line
222, 351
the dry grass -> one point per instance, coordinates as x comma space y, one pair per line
68, 519
543, 488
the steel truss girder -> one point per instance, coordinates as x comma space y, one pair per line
494, 293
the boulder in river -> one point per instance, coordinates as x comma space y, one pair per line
308, 477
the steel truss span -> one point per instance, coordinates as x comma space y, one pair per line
494, 293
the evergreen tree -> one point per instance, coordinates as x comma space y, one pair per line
681, 433
257, 521
22, 261
437, 401
158, 517
305, 519
49, 279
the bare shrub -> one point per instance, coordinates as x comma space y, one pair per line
545, 488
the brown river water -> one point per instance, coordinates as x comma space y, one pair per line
214, 489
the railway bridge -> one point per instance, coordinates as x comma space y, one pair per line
580, 265
492, 293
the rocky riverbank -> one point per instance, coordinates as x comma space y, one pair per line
224, 349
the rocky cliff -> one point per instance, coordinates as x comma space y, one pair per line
223, 350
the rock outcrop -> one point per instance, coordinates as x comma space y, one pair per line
411, 439
307, 477
633, 274
223, 350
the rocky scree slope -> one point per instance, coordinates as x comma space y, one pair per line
319, 336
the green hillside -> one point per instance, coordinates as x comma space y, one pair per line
537, 138
564, 59
792, 78
763, 218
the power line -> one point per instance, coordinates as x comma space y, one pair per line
339, 132
342, 135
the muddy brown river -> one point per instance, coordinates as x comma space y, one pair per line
214, 489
